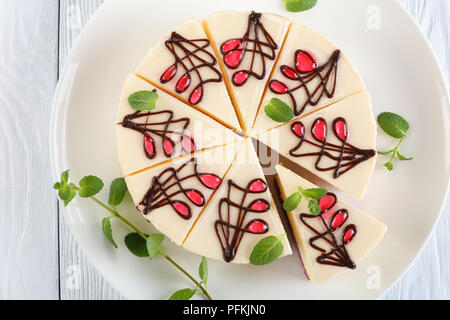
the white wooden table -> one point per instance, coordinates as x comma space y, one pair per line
38, 257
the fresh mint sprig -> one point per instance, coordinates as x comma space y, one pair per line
143, 100
278, 111
314, 194
139, 243
299, 5
397, 127
267, 250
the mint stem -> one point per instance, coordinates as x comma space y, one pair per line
394, 151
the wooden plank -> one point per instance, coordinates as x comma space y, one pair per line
28, 213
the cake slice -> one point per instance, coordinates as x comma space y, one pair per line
336, 143
311, 73
147, 138
172, 195
248, 44
335, 240
240, 214
184, 64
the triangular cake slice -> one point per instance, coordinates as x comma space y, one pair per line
336, 143
240, 214
311, 73
147, 138
172, 195
184, 64
334, 241
248, 44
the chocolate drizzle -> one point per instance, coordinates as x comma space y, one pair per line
192, 57
345, 155
315, 81
337, 255
230, 227
169, 184
235, 50
143, 123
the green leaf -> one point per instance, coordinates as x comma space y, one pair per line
203, 270
315, 193
72, 194
136, 244
90, 186
389, 165
393, 124
278, 111
183, 294
143, 100
107, 230
117, 191
154, 242
57, 185
385, 153
403, 158
291, 203
314, 207
299, 5
267, 251
65, 176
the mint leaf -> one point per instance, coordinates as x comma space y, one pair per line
402, 158
65, 177
386, 152
183, 294
136, 244
107, 230
117, 191
291, 203
203, 270
57, 185
315, 193
393, 124
72, 194
154, 242
90, 186
299, 5
389, 165
278, 111
314, 207
267, 251
143, 100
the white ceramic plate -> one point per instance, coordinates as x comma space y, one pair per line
401, 73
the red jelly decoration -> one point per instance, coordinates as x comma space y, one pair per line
319, 130
278, 87
149, 146
339, 219
182, 209
233, 58
183, 83
230, 45
298, 129
168, 146
196, 95
304, 62
169, 74
327, 202
259, 205
196, 197
257, 226
239, 78
289, 72
340, 129
211, 181
188, 144
349, 234
257, 186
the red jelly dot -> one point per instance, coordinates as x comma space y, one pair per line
196, 95
298, 129
183, 83
233, 58
149, 146
289, 72
169, 74
340, 129
188, 144
182, 209
257, 226
349, 234
240, 77
259, 206
304, 61
327, 202
319, 130
339, 219
210, 180
168, 146
278, 87
230, 45
196, 197
257, 186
